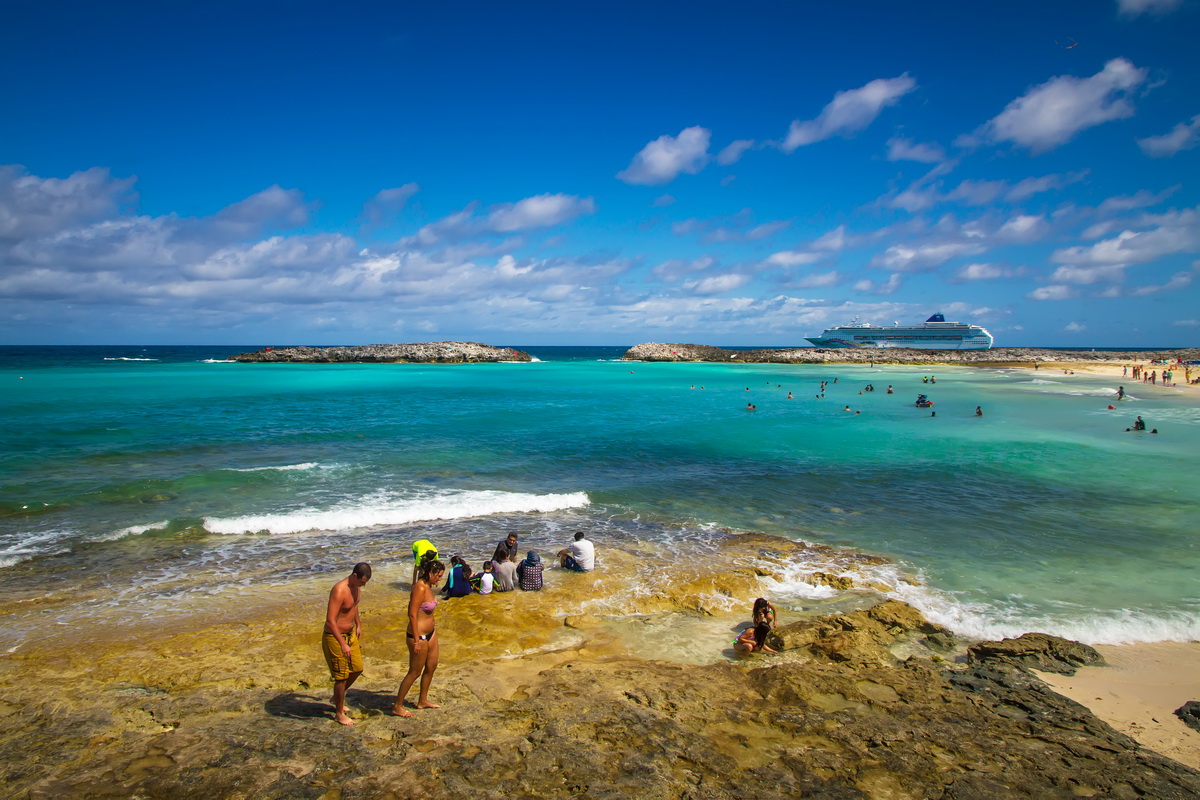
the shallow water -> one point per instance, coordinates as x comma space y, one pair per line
179, 477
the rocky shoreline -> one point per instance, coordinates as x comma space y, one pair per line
656, 351
413, 353
551, 695
849, 720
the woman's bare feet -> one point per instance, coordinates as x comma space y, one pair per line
427, 704
399, 710
342, 719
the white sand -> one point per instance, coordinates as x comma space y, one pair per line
1138, 692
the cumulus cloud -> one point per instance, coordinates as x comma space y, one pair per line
717, 284
985, 272
387, 202
1183, 136
1114, 273
900, 149
819, 280
739, 227
1052, 292
1051, 114
662, 160
540, 211
915, 258
849, 112
31, 206
1180, 280
273, 206
867, 286
733, 151
1173, 232
927, 192
1074, 327
792, 258
1133, 8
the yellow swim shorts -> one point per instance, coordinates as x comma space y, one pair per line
339, 666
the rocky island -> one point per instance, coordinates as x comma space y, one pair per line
996, 356
414, 353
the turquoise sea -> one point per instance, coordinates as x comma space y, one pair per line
168, 474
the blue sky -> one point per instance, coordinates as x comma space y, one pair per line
598, 173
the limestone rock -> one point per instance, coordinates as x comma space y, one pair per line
655, 351
1036, 651
859, 636
417, 353
1189, 712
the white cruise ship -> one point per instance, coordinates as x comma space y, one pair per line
934, 334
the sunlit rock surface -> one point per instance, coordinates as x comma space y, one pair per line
419, 352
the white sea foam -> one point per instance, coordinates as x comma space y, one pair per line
385, 508
132, 530
286, 468
217, 361
124, 358
33, 545
987, 620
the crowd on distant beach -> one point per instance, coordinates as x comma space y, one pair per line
502, 573
1166, 374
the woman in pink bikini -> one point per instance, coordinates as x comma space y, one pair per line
421, 637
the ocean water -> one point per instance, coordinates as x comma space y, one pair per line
172, 478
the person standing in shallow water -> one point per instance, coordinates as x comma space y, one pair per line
421, 636
342, 634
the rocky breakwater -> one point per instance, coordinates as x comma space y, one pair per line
415, 353
655, 351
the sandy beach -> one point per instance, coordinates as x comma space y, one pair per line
1138, 692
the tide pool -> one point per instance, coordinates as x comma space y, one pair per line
174, 466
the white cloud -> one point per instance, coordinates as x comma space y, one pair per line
663, 200
835, 239
1051, 114
1180, 280
1053, 292
1132, 8
663, 159
676, 268
1023, 228
887, 287
30, 205
849, 111
733, 151
913, 258
1074, 327
1183, 136
819, 280
792, 258
540, 211
1139, 199
388, 201
1186, 323
717, 284
1089, 275
272, 206
982, 272
1175, 232
905, 150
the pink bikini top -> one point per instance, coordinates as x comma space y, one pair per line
429, 607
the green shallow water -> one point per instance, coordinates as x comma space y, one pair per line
1041, 514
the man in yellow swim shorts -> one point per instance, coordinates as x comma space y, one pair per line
343, 631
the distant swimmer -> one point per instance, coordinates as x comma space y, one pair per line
751, 407
789, 397
1139, 424
978, 411
1120, 392
890, 390
847, 408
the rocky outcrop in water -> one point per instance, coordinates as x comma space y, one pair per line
654, 351
1037, 651
416, 353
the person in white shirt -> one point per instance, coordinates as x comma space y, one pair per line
486, 580
502, 573
579, 556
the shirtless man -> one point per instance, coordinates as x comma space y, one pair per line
343, 630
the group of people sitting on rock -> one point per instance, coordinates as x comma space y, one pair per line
503, 572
